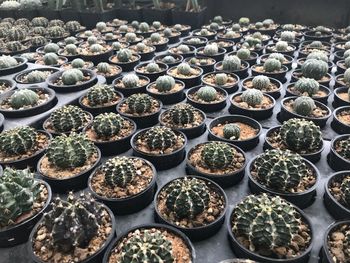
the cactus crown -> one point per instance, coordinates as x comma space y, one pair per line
347, 76
160, 138
130, 81
18, 140
232, 131
56, 31
168, 60
319, 55
182, 114
207, 93
144, 27
124, 55
345, 190
344, 147
183, 48
211, 49
261, 82
272, 65
217, 155
119, 171
23, 97
51, 47
184, 69
107, 124
139, 103
7, 62
155, 38
281, 46
38, 41
72, 76
221, 79
315, 69
252, 97
68, 118
77, 63
304, 105
288, 36
36, 76
308, 86
50, 59
280, 57
152, 67
243, 53
104, 67
231, 63
165, 83
100, 94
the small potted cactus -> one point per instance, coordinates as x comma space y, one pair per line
27, 101
10, 65
246, 55
205, 63
289, 36
143, 109
162, 146
152, 70
279, 245
145, 51
195, 41
239, 130
308, 47
342, 80
69, 51
221, 162
159, 41
68, 161
228, 45
38, 41
67, 119
96, 52
215, 26
56, 33
167, 90
145, 30
111, 133
267, 26
319, 55
341, 95
131, 38
283, 58
53, 237
77, 63
304, 107
319, 33
24, 201
125, 184
282, 47
271, 68
230, 35
194, 205
315, 69
185, 118
52, 60
72, 80
162, 242
339, 154
341, 120
183, 50
337, 195
171, 34
170, 60
265, 84
252, 103
13, 48
109, 71
204, 32
22, 147
233, 64
343, 65
100, 98
212, 50
125, 59
182, 28
34, 76
222, 79
207, 98
131, 84
190, 75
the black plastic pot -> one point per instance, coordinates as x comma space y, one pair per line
130, 204
288, 64
268, 50
194, 19
337, 100
310, 35
301, 61
242, 73
207, 107
160, 161
323, 99
22, 64
335, 160
126, 66
103, 57
338, 55
10, 83
168, 98
35, 110
275, 94
206, 68
218, 57
147, 55
202, 43
281, 76
72, 183
337, 125
155, 75
252, 60
229, 44
296, 75
178, 58
19, 233
228, 89
184, 55
334, 207
245, 145
175, 38
190, 81
18, 76
126, 91
195, 233
339, 81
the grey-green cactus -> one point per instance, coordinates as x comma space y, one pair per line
304, 105
155, 38
182, 114
280, 57
56, 32
184, 49
232, 131
18, 140
124, 55
261, 83
100, 94
344, 147
40, 21
281, 46
68, 118
160, 138
23, 97
51, 47
139, 103
231, 63
152, 67
16, 34
272, 65
144, 27
77, 63
101, 26
184, 69
217, 155
104, 67
308, 86
211, 49
221, 79
244, 21
165, 83
106, 125
73, 26
315, 69
288, 36
243, 53
50, 59
15, 46
38, 41
130, 81
319, 55
7, 62
71, 49
252, 97
72, 76
36, 76
346, 76
207, 93
169, 60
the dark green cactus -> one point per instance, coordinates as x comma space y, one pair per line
304, 105
207, 93
217, 155
182, 114
23, 97
119, 171
14, 46
345, 190
68, 118
343, 147
38, 41
40, 21
107, 124
160, 138
252, 97
100, 94
243, 53
18, 140
139, 103
56, 32
231, 131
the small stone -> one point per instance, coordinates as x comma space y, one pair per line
337, 236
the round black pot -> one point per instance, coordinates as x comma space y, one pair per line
73, 183
185, 55
168, 98
2, 120
338, 55
268, 50
30, 161
207, 107
281, 76
218, 57
275, 94
242, 73
285, 115
94, 258
323, 99
22, 64
224, 180
301, 61
310, 35
195, 233
131, 204
196, 33
335, 160
288, 64
126, 91
206, 68
160, 161
339, 81
148, 55
150, 226
110, 78
155, 75
245, 145
72, 88
177, 57
296, 75
337, 125
334, 207
126, 66
254, 114
337, 100
252, 60
174, 39
191, 81
161, 47
9, 82
18, 76
228, 89
20, 233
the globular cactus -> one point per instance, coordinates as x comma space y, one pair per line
73, 222
56, 32
184, 69
184, 49
104, 67
218, 19
187, 197
40, 21
100, 94
347, 62
230, 34
144, 27
211, 50
165, 83
152, 68
140, 47
56, 22
139, 103
4, 32
347, 76
217, 155
235, 27
268, 22
7, 62
315, 69
261, 82
14, 46
50, 59
116, 46
123, 28
207, 93
155, 38
182, 114
101, 26
130, 37
71, 49
214, 26
252, 97
18, 140
135, 24
119, 171
280, 57
92, 40
221, 79
304, 105
344, 147
244, 21
299, 135
106, 125
306, 85
130, 81
169, 60
70, 40
259, 25
194, 41
288, 36
23, 97
281, 46
232, 131
272, 65
345, 191
156, 24
243, 53
319, 55
39, 30
231, 63
160, 138
167, 32
36, 76
72, 76
68, 118
38, 41
77, 63
204, 32
19, 191
16, 34
124, 55
73, 26
96, 48
10, 5
51, 48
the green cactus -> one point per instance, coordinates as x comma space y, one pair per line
92, 40
280, 57
22, 98
304, 105
204, 32
16, 34
344, 147
139, 103
51, 48
116, 46
272, 65
70, 40
288, 36
14, 46
244, 21
71, 49
184, 69
182, 114
217, 155
124, 55
144, 27
73, 26
68, 118
306, 85
232, 131
165, 83
261, 82
104, 67
230, 34
100, 94
119, 171
140, 47
184, 49
231, 63
152, 67
56, 32
39, 30
252, 97
211, 49
169, 60
221, 79
18, 140
101, 26
243, 53
347, 76
72, 76
106, 125
40, 21
319, 55
38, 41
315, 69
156, 24
160, 138
281, 46
36, 76
345, 190
130, 81
56, 22
50, 59
155, 38
77, 63
7, 62
207, 93
167, 32
193, 41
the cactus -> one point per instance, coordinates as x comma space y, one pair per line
304, 105
231, 131
319, 55
345, 191
280, 57
218, 19
160, 138
39, 30
10, 5
56, 31
261, 82
165, 83
130, 81
144, 27
139, 103
73, 222
119, 171
169, 60
96, 48
184, 69
156, 24
259, 25
116, 46
221, 79
40, 21
230, 34
50, 59
155, 38
194, 41
244, 21
77, 63
272, 65
347, 62
344, 147
299, 135
184, 49
68, 118
18, 140
51, 48
92, 40
211, 50
14, 46
101, 26
107, 124
16, 34
100, 94
182, 114
288, 36
56, 22
167, 32
19, 191
38, 41
124, 55
7, 62
315, 69
22, 98
70, 40
243, 53
207, 93
72, 76
217, 155
347, 76
306, 85
36, 76
152, 68
231, 63
73, 26
281, 46
140, 47
204, 32
104, 67
71, 49
252, 97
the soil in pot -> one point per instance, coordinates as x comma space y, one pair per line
317, 112
338, 244
246, 131
127, 106
86, 65
344, 116
197, 96
218, 78
101, 96
272, 86
6, 85
339, 190
34, 76
266, 103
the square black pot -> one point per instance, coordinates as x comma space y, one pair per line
49, 14
29, 14
162, 15
70, 15
129, 14
194, 19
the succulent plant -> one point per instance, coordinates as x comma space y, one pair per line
92, 40
96, 48
344, 147
100, 94
144, 27
40, 21
184, 69
288, 36
56, 22
304, 105
280, 57
231, 131
347, 76
281, 46
107, 124
315, 69
160, 138
10, 5
272, 65
130, 80
221, 79
207, 93
244, 21
167, 32
70, 40
50, 59
217, 155
152, 67
139, 103
156, 24
73, 26
56, 32
319, 55
231, 63
124, 55
72, 76
68, 118
347, 62
71, 49
14, 46
16, 34
204, 32
261, 82
243, 53
306, 85
101, 26
252, 97
7, 62
345, 191
23, 97
116, 46
18, 140
119, 171
104, 67
155, 38
77, 63
211, 50
182, 114
141, 47
36, 76
184, 49
168, 60
51, 48
230, 34
38, 41
165, 83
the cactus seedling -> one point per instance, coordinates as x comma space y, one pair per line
182, 114
344, 147
272, 65
243, 53
119, 171
211, 50
252, 97
221, 79
77, 63
184, 69
23, 97
160, 138
165, 83
124, 55
315, 69
231, 131
139, 103
207, 94
304, 105
231, 63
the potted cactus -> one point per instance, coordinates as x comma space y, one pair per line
243, 230
289, 36
152, 70
145, 30
209, 34
283, 58
109, 71
252, 103
213, 25
67, 119
34, 76
13, 48
167, 90
343, 65
319, 33
236, 129
111, 133
342, 80
51, 238
267, 26
211, 50
70, 51
6, 85
304, 107
145, 51
48, 48
131, 38
205, 63
160, 42
341, 97
340, 122
182, 28
162, 146
51, 59
221, 162
170, 60
141, 108
96, 52
263, 83
125, 184
171, 34
22, 205
196, 42
10, 65
339, 157
183, 50
319, 55
100, 98
38, 41
271, 68
233, 64
190, 75
230, 35
246, 55
315, 69
228, 45
185, 118
194, 205
131, 84
282, 47
78, 63
125, 59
